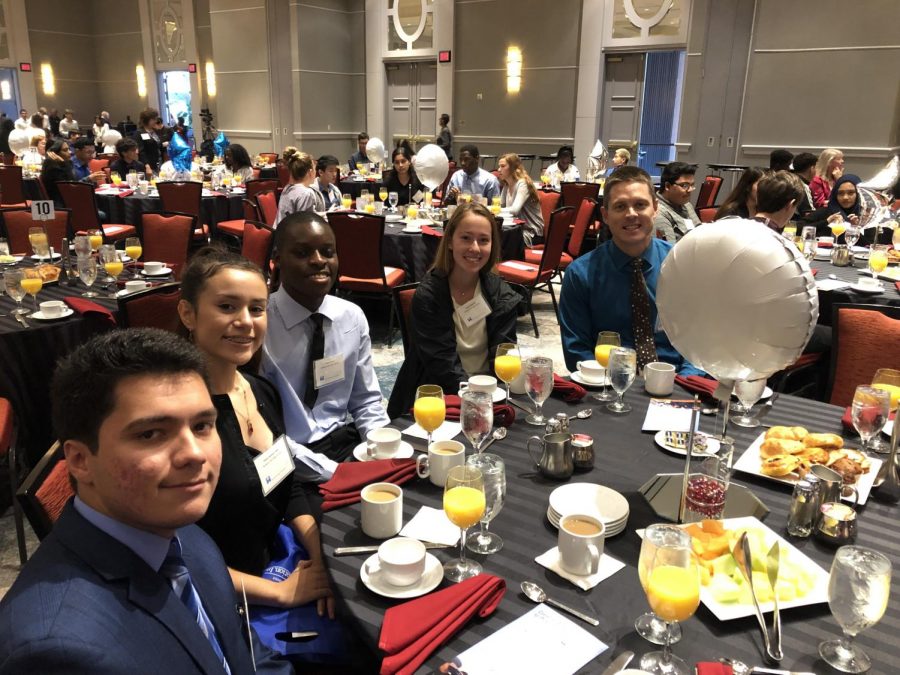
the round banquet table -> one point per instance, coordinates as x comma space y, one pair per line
851, 275
214, 208
355, 187
625, 459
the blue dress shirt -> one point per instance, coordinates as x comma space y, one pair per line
596, 296
149, 547
482, 183
81, 171
286, 358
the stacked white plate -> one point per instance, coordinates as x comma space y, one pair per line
590, 499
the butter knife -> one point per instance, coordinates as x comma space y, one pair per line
21, 320
618, 663
520, 406
355, 550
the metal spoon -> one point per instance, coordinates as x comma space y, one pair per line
582, 414
536, 594
496, 435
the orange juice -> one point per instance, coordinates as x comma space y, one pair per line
346, 203
134, 252
429, 412
96, 241
507, 367
113, 268
673, 592
116, 178
891, 389
32, 285
878, 261
383, 194
464, 506
837, 229
601, 353
412, 211
370, 208
495, 209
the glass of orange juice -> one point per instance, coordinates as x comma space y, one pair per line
383, 193
134, 250
464, 504
115, 178
429, 409
346, 201
112, 264
507, 363
607, 340
878, 259
412, 212
32, 283
96, 239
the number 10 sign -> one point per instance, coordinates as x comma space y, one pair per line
42, 209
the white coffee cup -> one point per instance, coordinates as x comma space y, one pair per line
659, 378
382, 443
826, 240
153, 267
591, 370
869, 282
381, 515
136, 285
485, 383
581, 539
401, 560
53, 308
442, 456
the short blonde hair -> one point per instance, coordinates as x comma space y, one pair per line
622, 152
443, 259
825, 158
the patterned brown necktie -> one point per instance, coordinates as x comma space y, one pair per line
640, 316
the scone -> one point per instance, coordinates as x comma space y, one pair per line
780, 446
827, 441
788, 433
779, 465
814, 455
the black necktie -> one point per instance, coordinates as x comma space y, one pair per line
326, 195
316, 352
640, 316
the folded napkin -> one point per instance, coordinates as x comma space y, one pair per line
411, 632
713, 668
89, 308
504, 413
568, 391
608, 567
847, 419
427, 229
696, 384
351, 477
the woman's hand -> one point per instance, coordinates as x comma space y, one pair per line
835, 218
854, 219
836, 173
307, 583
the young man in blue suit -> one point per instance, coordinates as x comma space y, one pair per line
125, 582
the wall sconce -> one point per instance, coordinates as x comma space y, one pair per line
5, 90
141, 80
513, 70
49, 86
210, 79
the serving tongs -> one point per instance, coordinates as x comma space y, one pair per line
744, 560
773, 559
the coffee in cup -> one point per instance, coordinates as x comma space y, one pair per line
442, 456
401, 561
53, 308
381, 516
382, 443
153, 267
591, 370
580, 540
659, 378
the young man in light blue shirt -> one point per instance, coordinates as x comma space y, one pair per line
471, 178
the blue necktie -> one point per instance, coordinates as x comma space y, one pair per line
174, 569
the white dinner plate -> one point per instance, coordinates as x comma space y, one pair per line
498, 396
373, 580
749, 463
867, 290
39, 315
405, 451
726, 611
55, 256
888, 428
163, 272
590, 499
15, 259
576, 377
712, 445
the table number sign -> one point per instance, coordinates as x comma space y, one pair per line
42, 209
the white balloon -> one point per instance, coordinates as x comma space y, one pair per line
737, 300
375, 150
111, 137
19, 141
432, 166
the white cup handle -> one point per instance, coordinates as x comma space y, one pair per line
370, 450
423, 468
595, 558
372, 566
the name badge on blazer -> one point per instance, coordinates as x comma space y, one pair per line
328, 370
145, 136
474, 310
274, 465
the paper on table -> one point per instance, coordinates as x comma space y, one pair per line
444, 432
431, 525
831, 285
608, 567
668, 415
555, 645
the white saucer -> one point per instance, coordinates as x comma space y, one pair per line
591, 499
712, 445
405, 451
430, 580
767, 393
163, 272
39, 315
576, 377
412, 229
867, 290
392, 218
55, 256
122, 293
498, 396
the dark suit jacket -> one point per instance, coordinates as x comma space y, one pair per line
87, 604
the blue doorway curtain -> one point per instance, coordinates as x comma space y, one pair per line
659, 114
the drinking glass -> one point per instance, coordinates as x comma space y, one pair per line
895, 237
112, 264
476, 416
363, 168
748, 393
858, 591
538, 386
382, 193
87, 272
96, 239
4, 246
878, 259
12, 281
673, 591
464, 504
427, 202
851, 235
607, 340
790, 231
889, 380
82, 245
134, 250
37, 237
115, 178
869, 412
429, 409
648, 625
507, 363
346, 201
622, 370
838, 227
493, 470
32, 283
393, 197
810, 243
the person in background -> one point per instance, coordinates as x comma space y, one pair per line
36, 126
36, 151
150, 145
57, 167
445, 349
23, 121
237, 160
563, 169
99, 130
780, 160
309, 332
402, 179
519, 196
67, 124
6, 126
45, 119
54, 119
777, 196
741, 201
326, 179
128, 161
471, 178
829, 167
444, 138
844, 203
805, 169
359, 156
675, 215
81, 162
620, 157
297, 194
181, 129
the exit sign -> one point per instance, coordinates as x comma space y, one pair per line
192, 67
444, 56
25, 67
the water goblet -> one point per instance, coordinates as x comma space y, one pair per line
507, 363
607, 340
648, 625
869, 412
493, 470
538, 386
851, 235
429, 408
393, 198
476, 416
622, 370
748, 393
12, 281
87, 272
82, 245
464, 505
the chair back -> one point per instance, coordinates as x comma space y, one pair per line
12, 191
549, 201
358, 237
181, 197
256, 244
580, 226
707, 214
709, 190
251, 211
167, 237
284, 174
80, 198
403, 297
8, 158
267, 203
573, 193
44, 492
270, 157
156, 307
864, 339
554, 241
17, 221
98, 164
257, 185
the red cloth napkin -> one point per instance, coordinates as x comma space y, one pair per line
411, 632
427, 229
504, 413
814, 271
351, 477
897, 284
825, 244
696, 384
847, 419
88, 308
568, 391
712, 668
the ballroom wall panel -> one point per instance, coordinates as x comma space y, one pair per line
118, 49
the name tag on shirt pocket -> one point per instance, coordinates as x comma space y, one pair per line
328, 370
274, 465
474, 310
146, 137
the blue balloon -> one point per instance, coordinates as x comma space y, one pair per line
221, 143
180, 153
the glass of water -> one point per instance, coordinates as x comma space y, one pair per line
851, 235
538, 386
476, 416
810, 243
622, 370
869, 412
12, 281
494, 472
748, 393
87, 272
393, 197
858, 591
